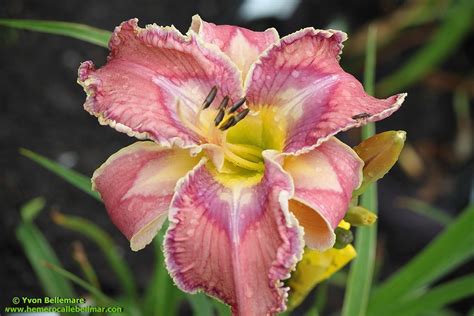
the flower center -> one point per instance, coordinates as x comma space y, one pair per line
242, 141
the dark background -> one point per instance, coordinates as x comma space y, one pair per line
41, 109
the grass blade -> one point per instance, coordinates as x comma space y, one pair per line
76, 179
32, 208
152, 302
78, 31
449, 250
435, 299
38, 250
80, 256
77, 280
201, 304
424, 209
160, 298
456, 25
362, 268
220, 308
106, 244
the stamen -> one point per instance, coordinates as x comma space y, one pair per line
210, 97
362, 115
237, 105
240, 116
247, 151
219, 117
243, 163
227, 124
224, 102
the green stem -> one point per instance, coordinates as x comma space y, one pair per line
85, 285
362, 269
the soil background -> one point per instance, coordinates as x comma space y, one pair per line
41, 109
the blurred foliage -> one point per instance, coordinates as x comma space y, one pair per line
455, 26
425, 209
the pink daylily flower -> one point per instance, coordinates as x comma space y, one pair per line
240, 153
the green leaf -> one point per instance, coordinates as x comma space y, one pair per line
38, 251
76, 179
313, 311
221, 308
201, 304
79, 31
449, 35
321, 298
77, 280
422, 208
105, 244
32, 208
362, 268
80, 256
434, 299
160, 296
450, 249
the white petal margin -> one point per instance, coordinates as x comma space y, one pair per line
233, 240
324, 181
137, 184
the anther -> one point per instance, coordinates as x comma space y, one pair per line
362, 115
227, 124
240, 116
219, 116
237, 105
210, 97
224, 102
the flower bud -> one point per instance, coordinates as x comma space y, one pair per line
343, 237
379, 153
359, 216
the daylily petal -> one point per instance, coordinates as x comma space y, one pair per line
155, 81
324, 180
137, 184
302, 81
233, 240
243, 46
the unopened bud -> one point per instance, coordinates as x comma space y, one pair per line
379, 153
343, 237
359, 216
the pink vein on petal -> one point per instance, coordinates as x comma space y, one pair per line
242, 45
149, 74
137, 184
302, 78
324, 181
235, 243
